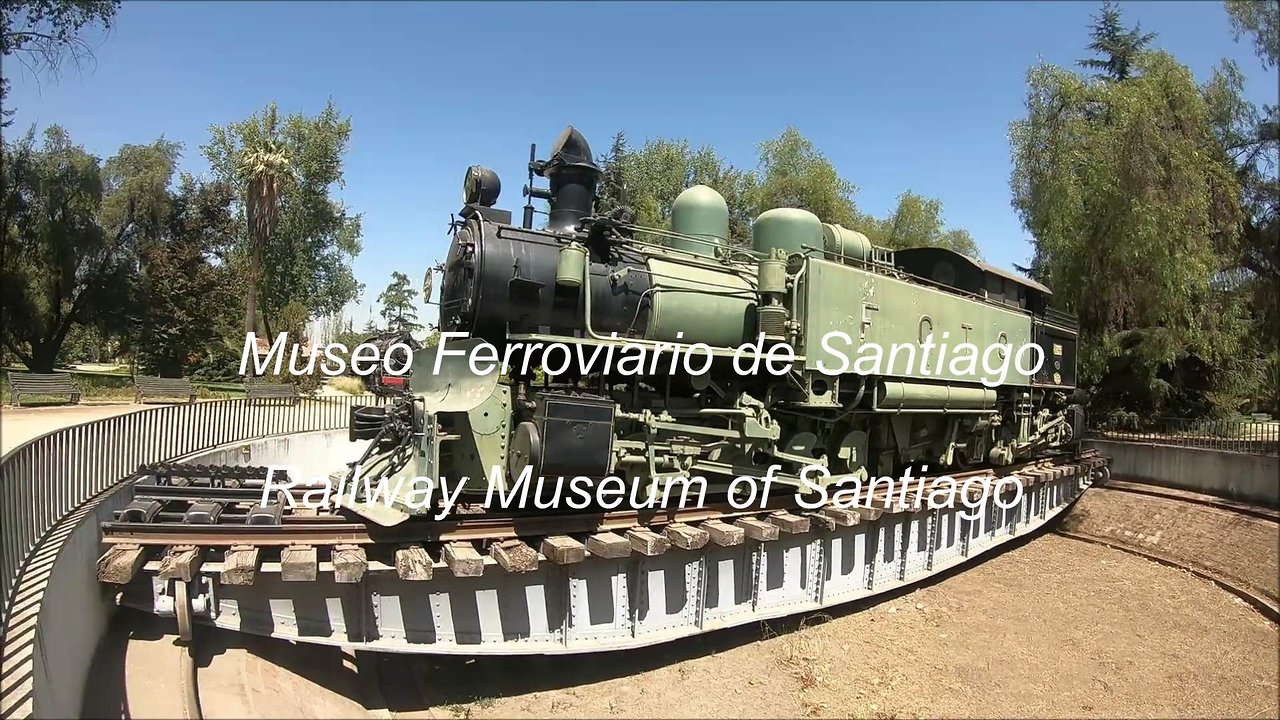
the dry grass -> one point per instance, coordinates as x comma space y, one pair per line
801, 652
348, 385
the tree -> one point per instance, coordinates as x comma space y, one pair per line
1134, 217
1250, 140
793, 173
614, 172
180, 296
1261, 19
649, 179
298, 240
135, 188
917, 222
59, 266
1120, 48
790, 172
397, 305
252, 155
42, 34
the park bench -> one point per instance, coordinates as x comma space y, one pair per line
147, 385
41, 384
256, 388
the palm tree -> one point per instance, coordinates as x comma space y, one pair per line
265, 166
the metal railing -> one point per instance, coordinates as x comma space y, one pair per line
44, 479
1241, 435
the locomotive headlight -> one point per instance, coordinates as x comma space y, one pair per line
481, 186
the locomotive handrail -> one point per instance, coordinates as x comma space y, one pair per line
48, 477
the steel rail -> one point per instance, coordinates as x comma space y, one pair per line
1187, 496
319, 530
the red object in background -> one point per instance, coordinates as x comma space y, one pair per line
395, 380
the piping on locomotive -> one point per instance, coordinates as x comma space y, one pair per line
595, 279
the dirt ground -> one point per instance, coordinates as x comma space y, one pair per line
1053, 627
1241, 549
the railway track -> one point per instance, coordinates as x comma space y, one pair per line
1207, 548
1217, 503
182, 518
197, 545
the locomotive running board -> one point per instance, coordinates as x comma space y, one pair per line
653, 593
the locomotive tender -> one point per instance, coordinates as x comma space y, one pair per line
591, 280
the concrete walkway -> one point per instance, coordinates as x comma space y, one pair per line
18, 425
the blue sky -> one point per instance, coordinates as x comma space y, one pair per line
898, 95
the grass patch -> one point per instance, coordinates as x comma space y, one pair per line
463, 710
105, 386
347, 384
802, 652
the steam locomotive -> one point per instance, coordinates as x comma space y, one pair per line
816, 293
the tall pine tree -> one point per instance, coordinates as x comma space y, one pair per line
1118, 47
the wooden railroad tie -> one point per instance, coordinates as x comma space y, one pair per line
757, 529
870, 514
563, 550
514, 556
349, 563
463, 560
413, 563
608, 545
120, 563
239, 565
789, 522
181, 562
647, 542
298, 563
722, 533
687, 537
840, 517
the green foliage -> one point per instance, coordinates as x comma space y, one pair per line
84, 344
179, 298
136, 189
102, 258
1134, 214
1250, 142
397, 305
351, 338
649, 179
1261, 19
1119, 48
917, 222
297, 240
1269, 389
59, 267
42, 34
791, 172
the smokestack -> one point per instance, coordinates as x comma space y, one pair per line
573, 176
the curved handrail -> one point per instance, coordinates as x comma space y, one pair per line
47, 477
